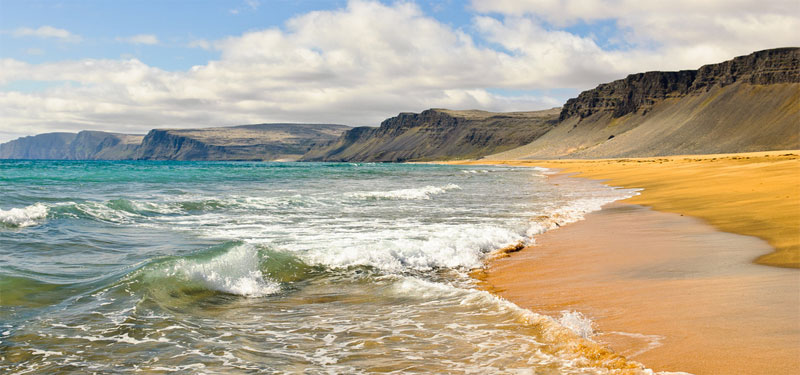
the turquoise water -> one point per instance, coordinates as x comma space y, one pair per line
212, 267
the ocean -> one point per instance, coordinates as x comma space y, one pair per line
245, 267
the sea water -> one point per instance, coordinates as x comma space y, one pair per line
239, 267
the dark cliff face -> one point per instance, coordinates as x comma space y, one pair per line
162, 145
639, 92
436, 135
86, 145
723, 107
750, 103
41, 146
96, 145
246, 142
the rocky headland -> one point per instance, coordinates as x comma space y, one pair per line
85, 145
747, 104
246, 142
437, 134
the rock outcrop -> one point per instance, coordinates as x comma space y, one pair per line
85, 145
750, 103
97, 145
246, 142
437, 134
639, 92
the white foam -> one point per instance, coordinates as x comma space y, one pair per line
409, 286
103, 212
236, 272
155, 207
405, 194
578, 323
45, 353
653, 341
575, 210
24, 217
474, 171
393, 250
544, 170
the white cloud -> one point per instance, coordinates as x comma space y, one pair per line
148, 39
253, 4
46, 32
675, 34
250, 5
200, 43
358, 65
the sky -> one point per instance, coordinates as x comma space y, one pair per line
131, 66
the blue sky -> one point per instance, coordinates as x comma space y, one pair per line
134, 65
101, 25
176, 23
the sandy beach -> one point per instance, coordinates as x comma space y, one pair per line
696, 274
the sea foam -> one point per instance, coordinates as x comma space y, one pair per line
235, 271
578, 323
23, 217
442, 247
425, 192
574, 210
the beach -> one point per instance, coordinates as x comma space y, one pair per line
697, 273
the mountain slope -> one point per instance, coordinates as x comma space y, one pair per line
750, 103
85, 145
246, 142
436, 134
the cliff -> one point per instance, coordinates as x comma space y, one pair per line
639, 92
96, 145
246, 142
436, 134
85, 145
750, 103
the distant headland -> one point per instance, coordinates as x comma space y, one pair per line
750, 103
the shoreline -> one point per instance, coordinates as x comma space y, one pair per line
701, 293
665, 290
753, 194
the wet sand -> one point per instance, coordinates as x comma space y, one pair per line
755, 194
671, 291
666, 290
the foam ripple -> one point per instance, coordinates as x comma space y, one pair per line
425, 192
451, 247
23, 217
236, 271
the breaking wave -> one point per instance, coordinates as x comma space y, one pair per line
23, 217
236, 269
405, 194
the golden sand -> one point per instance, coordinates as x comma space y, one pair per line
667, 289
754, 194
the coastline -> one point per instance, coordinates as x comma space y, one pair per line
753, 194
668, 290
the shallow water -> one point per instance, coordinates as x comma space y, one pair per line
214, 267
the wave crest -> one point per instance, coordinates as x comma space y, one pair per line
425, 192
451, 248
23, 217
236, 271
